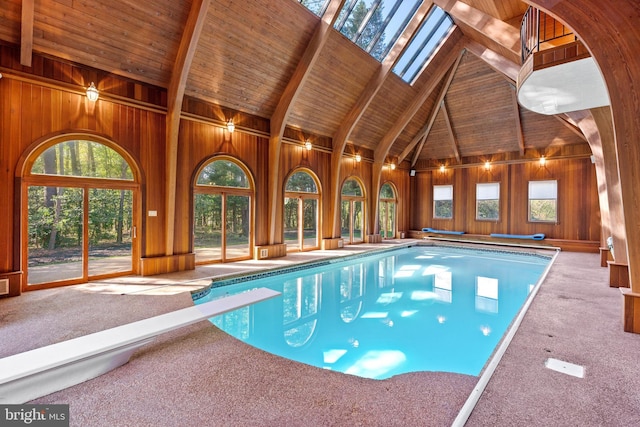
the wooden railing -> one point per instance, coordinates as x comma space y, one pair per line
538, 28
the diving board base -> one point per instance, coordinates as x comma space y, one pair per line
36, 373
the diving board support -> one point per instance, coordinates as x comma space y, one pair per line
35, 373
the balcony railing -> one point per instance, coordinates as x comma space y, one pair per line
539, 29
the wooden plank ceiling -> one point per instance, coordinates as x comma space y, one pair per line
248, 51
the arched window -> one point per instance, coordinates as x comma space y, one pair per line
222, 212
387, 211
80, 199
352, 212
301, 212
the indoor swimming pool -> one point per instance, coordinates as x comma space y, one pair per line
419, 308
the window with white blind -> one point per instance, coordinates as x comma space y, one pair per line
488, 201
443, 201
543, 201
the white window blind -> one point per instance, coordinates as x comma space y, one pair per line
442, 192
489, 191
539, 190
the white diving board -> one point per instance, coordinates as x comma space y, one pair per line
35, 373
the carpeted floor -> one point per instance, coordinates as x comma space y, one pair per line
199, 376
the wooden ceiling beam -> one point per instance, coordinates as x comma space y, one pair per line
452, 135
423, 140
435, 77
576, 130
341, 136
499, 63
303, 69
26, 32
486, 25
421, 135
281, 113
519, 133
343, 132
175, 96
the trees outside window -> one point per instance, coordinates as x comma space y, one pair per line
83, 226
223, 198
443, 201
543, 201
488, 201
387, 211
352, 212
301, 212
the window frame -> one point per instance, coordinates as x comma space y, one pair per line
478, 199
530, 199
436, 200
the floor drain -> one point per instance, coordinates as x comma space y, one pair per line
565, 367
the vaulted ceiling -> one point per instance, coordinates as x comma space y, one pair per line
255, 56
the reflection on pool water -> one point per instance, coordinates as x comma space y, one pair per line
422, 308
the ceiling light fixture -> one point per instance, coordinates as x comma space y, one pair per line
487, 165
92, 93
358, 157
543, 161
307, 145
442, 168
392, 166
230, 126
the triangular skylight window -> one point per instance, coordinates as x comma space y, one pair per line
376, 25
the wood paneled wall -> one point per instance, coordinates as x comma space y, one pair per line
31, 113
578, 206
50, 102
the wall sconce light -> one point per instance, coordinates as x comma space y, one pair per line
442, 168
358, 158
230, 126
92, 93
392, 166
487, 165
543, 161
412, 172
307, 145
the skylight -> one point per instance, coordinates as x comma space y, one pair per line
376, 25
431, 34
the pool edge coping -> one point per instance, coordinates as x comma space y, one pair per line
243, 277
490, 367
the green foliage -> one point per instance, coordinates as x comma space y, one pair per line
488, 209
373, 26
314, 6
223, 173
55, 214
443, 209
386, 192
543, 210
82, 159
301, 182
351, 187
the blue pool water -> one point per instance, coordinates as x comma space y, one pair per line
422, 308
